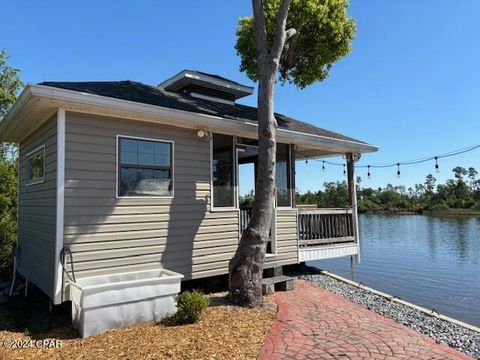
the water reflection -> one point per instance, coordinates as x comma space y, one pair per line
432, 261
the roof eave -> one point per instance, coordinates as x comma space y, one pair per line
7, 121
101, 105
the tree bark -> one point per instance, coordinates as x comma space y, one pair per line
246, 266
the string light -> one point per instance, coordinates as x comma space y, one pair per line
344, 170
407, 162
368, 174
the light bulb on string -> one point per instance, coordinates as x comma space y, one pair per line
368, 174
344, 170
306, 160
398, 170
437, 168
323, 165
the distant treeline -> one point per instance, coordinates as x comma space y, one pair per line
460, 192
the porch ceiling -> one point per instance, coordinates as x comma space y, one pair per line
303, 153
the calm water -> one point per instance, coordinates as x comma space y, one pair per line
430, 261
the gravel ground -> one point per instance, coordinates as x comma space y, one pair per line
441, 331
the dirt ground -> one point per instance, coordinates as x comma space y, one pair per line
223, 332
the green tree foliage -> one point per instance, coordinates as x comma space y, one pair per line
9, 86
323, 36
247, 200
456, 193
10, 83
334, 195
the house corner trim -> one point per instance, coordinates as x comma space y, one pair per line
58, 282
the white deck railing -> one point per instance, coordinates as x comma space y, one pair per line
318, 227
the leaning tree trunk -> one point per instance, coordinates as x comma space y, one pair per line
246, 266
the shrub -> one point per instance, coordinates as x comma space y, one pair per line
441, 206
190, 305
469, 203
476, 207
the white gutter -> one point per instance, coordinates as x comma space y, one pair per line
16, 108
90, 103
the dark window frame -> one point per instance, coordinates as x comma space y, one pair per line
234, 174
290, 178
148, 167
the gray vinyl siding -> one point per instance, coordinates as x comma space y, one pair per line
37, 211
287, 239
108, 234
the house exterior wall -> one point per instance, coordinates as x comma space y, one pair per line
37, 211
110, 234
287, 238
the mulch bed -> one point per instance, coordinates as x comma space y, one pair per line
223, 332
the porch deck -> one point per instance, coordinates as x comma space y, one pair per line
326, 233
322, 233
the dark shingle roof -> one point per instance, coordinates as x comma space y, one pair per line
141, 93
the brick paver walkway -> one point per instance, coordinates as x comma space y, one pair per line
313, 323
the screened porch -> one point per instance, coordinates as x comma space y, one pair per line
320, 232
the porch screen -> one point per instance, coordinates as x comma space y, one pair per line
145, 167
284, 196
223, 171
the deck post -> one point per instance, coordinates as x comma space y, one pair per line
352, 199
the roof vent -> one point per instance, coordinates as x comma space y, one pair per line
206, 86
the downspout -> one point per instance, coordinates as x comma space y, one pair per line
58, 277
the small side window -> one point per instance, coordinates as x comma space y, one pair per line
36, 166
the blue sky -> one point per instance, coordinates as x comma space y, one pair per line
411, 84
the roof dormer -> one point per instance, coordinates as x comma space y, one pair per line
206, 86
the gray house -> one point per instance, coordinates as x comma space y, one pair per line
131, 177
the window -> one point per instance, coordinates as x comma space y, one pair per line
36, 166
223, 171
283, 181
145, 167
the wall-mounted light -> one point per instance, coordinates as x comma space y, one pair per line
203, 134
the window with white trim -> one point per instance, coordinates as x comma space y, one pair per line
145, 167
36, 166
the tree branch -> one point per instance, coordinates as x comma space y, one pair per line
280, 33
290, 33
260, 28
289, 52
